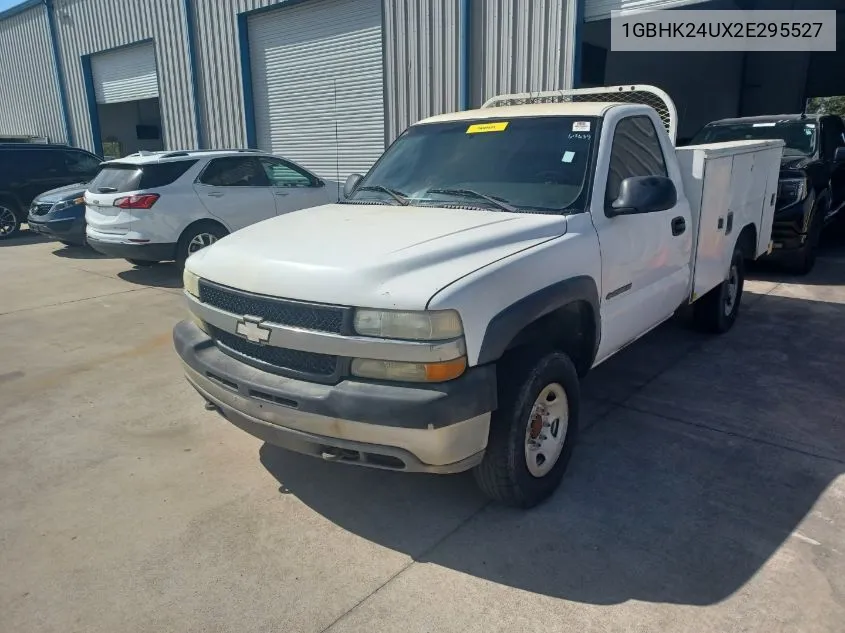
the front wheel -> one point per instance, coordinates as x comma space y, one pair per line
533, 430
716, 311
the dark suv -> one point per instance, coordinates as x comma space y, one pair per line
27, 170
811, 189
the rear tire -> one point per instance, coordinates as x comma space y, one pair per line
141, 263
10, 222
533, 430
717, 311
197, 237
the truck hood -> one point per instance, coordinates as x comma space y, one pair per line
68, 192
375, 256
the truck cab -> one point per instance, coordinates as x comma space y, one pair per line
440, 317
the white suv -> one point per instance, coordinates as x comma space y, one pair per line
159, 206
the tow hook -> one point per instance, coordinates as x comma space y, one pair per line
210, 406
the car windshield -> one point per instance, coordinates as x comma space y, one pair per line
799, 136
536, 165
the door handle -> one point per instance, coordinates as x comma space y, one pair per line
281, 193
679, 225
215, 194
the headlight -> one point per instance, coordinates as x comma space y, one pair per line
191, 283
791, 190
67, 204
408, 372
415, 326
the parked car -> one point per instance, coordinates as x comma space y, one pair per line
163, 206
812, 177
60, 214
441, 317
27, 170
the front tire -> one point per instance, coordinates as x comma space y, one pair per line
533, 430
717, 311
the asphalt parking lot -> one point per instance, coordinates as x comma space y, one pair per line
707, 493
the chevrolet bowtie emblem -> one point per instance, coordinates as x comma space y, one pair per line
251, 329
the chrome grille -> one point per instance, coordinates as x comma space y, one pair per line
41, 209
279, 359
308, 316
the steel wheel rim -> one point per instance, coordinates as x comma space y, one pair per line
733, 290
8, 221
200, 241
545, 431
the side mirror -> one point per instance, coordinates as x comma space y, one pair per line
351, 182
839, 155
643, 194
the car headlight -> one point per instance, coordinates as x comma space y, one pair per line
191, 283
408, 372
433, 325
791, 190
67, 204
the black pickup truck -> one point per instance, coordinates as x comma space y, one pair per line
811, 189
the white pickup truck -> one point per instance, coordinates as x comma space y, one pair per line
440, 317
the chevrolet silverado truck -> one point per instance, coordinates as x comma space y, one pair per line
440, 317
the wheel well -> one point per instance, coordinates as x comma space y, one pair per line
747, 241
8, 198
570, 328
198, 223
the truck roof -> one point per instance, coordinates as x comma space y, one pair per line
532, 109
766, 118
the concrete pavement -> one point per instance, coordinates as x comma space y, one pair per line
706, 494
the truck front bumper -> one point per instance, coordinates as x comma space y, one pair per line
440, 428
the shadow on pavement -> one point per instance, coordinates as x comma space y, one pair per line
24, 236
158, 275
709, 454
78, 252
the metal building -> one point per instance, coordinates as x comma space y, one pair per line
325, 82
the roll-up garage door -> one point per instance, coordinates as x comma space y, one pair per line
126, 74
318, 65
600, 9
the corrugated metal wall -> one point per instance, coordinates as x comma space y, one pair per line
521, 46
86, 27
421, 57
29, 92
422, 52
600, 9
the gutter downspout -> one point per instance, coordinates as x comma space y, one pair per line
57, 64
465, 51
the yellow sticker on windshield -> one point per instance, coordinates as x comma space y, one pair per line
475, 128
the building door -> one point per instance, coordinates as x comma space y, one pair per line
318, 77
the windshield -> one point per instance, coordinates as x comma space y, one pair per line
537, 165
799, 136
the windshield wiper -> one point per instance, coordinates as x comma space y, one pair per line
396, 195
475, 194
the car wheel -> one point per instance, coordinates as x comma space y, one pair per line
805, 259
10, 224
533, 430
197, 238
141, 263
716, 311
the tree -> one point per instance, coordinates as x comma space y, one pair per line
828, 105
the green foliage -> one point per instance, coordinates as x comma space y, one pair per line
828, 105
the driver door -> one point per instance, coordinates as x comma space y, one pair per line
645, 257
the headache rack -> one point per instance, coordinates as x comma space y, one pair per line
642, 94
